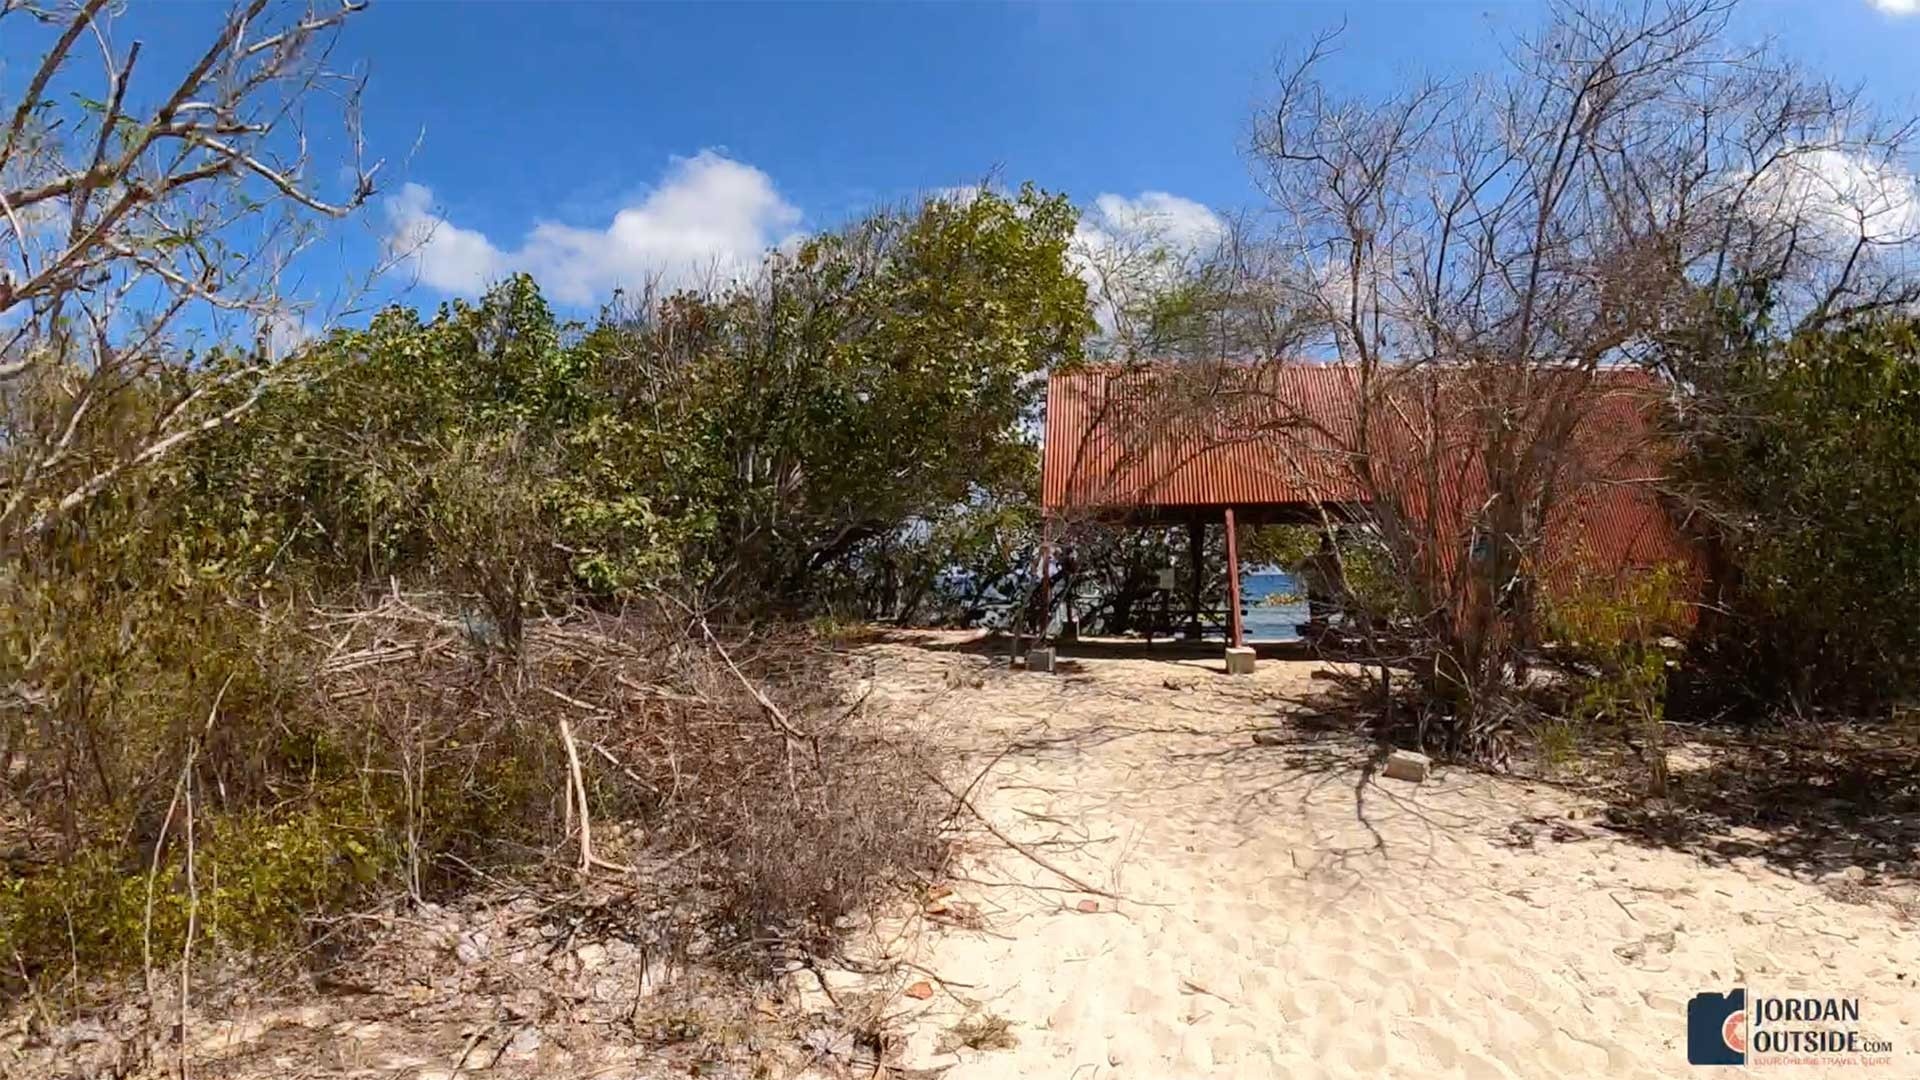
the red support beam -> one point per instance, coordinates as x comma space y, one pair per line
1233, 584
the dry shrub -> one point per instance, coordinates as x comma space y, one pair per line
759, 753
750, 755
419, 748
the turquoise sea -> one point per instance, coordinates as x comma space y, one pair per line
1264, 622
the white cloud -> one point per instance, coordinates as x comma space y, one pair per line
1180, 226
1127, 248
1843, 195
446, 257
709, 216
1898, 7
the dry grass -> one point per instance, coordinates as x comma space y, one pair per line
750, 751
427, 757
982, 1031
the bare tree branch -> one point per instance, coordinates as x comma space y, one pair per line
138, 230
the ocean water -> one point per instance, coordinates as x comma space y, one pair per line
1261, 621
1268, 622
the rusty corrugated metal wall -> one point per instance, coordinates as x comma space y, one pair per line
1197, 438
1139, 438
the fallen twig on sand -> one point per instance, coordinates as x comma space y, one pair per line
1192, 987
1623, 907
961, 799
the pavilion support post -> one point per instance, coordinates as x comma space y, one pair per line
1197, 569
1069, 622
1046, 577
1239, 657
1040, 656
1233, 584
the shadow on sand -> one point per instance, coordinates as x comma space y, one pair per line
1810, 803
1098, 648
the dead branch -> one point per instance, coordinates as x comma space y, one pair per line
961, 799
130, 229
578, 789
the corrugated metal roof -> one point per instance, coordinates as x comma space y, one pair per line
1161, 437
1176, 438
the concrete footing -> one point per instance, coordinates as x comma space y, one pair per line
1408, 765
1240, 660
1040, 659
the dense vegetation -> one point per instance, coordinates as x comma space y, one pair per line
1802, 459
759, 442
1484, 254
284, 630
819, 440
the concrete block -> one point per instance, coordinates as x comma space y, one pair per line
1040, 659
1407, 765
1240, 660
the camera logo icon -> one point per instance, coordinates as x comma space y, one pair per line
1717, 1028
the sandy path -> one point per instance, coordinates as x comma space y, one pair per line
1281, 914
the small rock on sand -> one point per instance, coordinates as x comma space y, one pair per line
1407, 765
526, 1042
472, 948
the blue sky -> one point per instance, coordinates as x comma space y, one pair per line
596, 142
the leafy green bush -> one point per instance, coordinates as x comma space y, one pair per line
1803, 455
258, 878
1619, 629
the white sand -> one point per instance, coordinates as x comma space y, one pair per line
1281, 916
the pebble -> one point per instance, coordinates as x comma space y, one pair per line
472, 947
80, 1031
525, 1042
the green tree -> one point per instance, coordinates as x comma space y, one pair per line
869, 382
1804, 453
